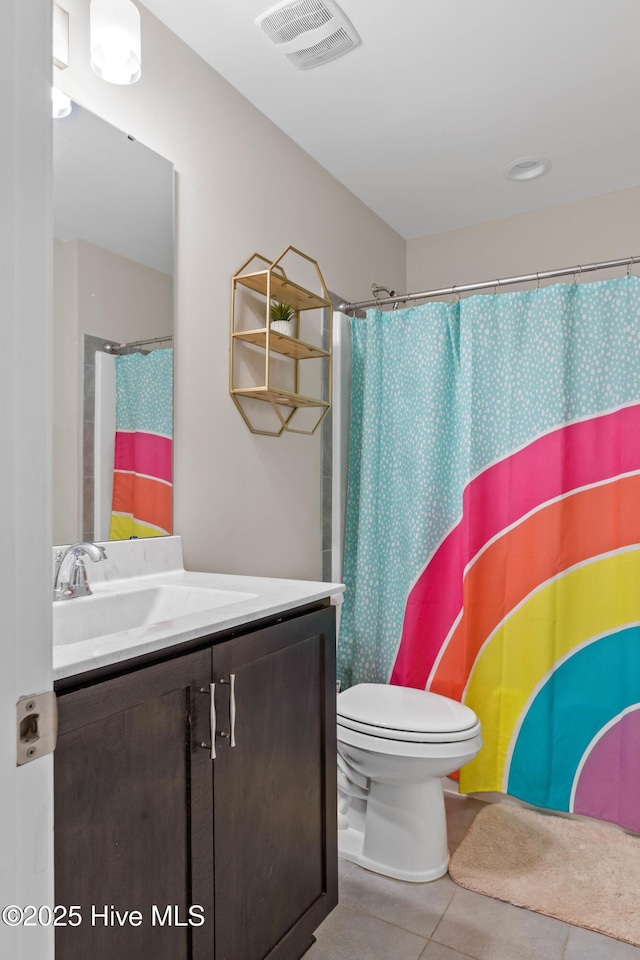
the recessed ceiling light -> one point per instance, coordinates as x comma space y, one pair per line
527, 168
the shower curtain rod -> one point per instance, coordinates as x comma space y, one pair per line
114, 347
491, 284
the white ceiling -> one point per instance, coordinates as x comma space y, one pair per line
420, 120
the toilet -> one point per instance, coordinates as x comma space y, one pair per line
394, 746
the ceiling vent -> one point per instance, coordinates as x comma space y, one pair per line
309, 32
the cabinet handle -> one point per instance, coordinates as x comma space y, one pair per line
212, 719
232, 708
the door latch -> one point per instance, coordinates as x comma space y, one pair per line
37, 724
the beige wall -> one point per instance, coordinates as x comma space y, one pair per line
585, 231
243, 503
67, 395
103, 294
119, 299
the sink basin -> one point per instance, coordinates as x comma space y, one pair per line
86, 618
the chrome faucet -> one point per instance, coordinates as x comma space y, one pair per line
70, 579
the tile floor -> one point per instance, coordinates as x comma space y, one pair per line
382, 919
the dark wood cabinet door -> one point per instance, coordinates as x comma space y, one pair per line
133, 825
275, 790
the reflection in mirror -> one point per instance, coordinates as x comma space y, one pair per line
113, 327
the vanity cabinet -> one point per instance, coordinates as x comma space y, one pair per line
132, 814
146, 820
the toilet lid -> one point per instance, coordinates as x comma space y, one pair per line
394, 711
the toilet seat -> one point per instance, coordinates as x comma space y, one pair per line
405, 714
453, 746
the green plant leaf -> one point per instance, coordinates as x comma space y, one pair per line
280, 311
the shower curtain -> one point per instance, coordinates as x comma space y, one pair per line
493, 531
143, 445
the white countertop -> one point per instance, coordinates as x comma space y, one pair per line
140, 564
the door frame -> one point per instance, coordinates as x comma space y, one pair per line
26, 240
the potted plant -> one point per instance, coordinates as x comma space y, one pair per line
281, 316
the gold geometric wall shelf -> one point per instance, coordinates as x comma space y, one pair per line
276, 380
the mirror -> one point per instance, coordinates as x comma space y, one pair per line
112, 333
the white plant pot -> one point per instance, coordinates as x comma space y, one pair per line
282, 326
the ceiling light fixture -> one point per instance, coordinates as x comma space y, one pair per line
527, 168
114, 38
60, 104
60, 37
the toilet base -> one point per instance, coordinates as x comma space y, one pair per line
350, 847
399, 831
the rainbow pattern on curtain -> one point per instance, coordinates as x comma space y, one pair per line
492, 549
534, 595
142, 482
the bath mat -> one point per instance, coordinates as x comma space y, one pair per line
585, 873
